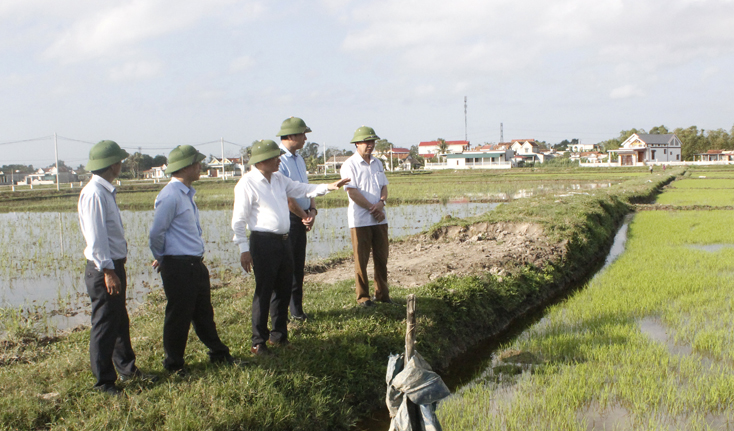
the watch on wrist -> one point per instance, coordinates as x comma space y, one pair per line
313, 209
383, 201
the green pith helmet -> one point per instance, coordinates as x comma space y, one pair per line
364, 133
104, 154
182, 156
263, 149
293, 126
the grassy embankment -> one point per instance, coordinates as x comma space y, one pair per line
405, 188
647, 345
335, 372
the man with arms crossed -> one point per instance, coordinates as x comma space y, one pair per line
366, 215
105, 277
176, 243
303, 210
261, 204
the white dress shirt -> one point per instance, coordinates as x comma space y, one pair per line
101, 223
176, 230
262, 205
368, 179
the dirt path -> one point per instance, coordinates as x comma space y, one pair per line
497, 248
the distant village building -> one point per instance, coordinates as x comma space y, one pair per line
231, 166
398, 155
582, 148
48, 176
333, 164
589, 156
527, 151
715, 156
489, 159
429, 149
642, 148
155, 173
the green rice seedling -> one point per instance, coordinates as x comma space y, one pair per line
720, 183
702, 197
600, 369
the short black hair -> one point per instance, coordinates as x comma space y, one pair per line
101, 171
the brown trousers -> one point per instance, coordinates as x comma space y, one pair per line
364, 239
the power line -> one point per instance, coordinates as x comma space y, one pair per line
28, 140
76, 140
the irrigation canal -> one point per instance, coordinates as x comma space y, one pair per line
471, 364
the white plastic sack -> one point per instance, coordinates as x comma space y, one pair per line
417, 383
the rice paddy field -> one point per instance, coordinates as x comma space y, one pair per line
647, 345
405, 188
334, 373
42, 262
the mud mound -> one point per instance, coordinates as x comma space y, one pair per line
499, 248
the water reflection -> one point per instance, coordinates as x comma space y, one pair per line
42, 263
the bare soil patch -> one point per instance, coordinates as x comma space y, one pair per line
498, 248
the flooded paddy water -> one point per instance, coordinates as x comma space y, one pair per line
42, 261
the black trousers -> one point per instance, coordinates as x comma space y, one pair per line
272, 263
188, 291
109, 339
299, 240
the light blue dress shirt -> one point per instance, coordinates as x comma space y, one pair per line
176, 230
101, 223
294, 167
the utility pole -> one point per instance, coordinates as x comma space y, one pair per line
391, 151
325, 165
56, 152
224, 174
502, 134
466, 133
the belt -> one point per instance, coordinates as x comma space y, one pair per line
185, 258
278, 236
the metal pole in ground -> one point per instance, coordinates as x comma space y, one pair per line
410, 328
413, 409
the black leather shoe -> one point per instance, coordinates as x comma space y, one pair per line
139, 375
301, 318
365, 304
260, 350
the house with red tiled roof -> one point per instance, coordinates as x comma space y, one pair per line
715, 156
398, 155
428, 149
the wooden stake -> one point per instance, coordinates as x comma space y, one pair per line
410, 329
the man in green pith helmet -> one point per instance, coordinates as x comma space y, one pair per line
303, 210
110, 350
178, 249
366, 216
261, 205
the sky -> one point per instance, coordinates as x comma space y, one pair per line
153, 74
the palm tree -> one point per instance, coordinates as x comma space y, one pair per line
443, 147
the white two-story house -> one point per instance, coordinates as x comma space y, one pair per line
642, 148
